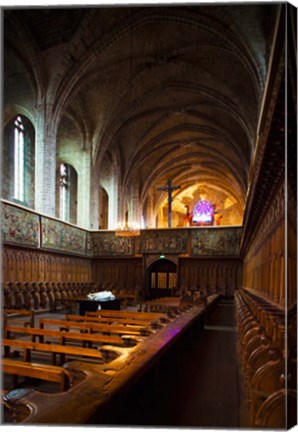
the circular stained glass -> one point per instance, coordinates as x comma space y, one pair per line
203, 212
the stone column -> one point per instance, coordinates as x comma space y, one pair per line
45, 165
134, 205
114, 198
150, 218
94, 203
84, 193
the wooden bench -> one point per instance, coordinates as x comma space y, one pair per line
13, 314
94, 327
168, 305
111, 320
62, 350
173, 301
62, 336
103, 383
41, 371
147, 316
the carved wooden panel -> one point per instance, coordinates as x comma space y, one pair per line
264, 264
209, 275
121, 273
31, 265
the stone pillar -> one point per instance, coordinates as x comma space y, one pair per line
94, 203
45, 165
84, 192
161, 222
113, 205
134, 217
114, 197
150, 218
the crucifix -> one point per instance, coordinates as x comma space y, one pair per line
169, 188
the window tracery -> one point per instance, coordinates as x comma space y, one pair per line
203, 213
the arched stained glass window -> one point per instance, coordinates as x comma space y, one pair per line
68, 185
203, 212
64, 192
19, 160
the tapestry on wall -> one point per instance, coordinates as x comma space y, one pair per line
60, 236
216, 241
162, 241
19, 226
89, 243
108, 244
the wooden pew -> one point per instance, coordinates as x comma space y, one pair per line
94, 327
111, 320
62, 350
104, 382
163, 305
41, 371
147, 316
62, 336
14, 315
167, 301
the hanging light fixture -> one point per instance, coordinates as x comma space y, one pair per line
128, 231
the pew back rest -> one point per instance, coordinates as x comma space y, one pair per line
110, 320
129, 314
63, 335
14, 315
28, 347
37, 370
95, 327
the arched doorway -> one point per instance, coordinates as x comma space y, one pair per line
162, 278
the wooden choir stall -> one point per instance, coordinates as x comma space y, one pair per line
93, 360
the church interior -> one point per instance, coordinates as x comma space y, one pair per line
148, 215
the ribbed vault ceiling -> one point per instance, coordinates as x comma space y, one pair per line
174, 91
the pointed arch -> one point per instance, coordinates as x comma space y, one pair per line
66, 200
18, 164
